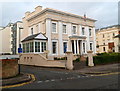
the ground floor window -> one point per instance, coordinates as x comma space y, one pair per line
119, 49
91, 48
83, 47
31, 46
64, 46
54, 45
43, 46
27, 47
23, 48
37, 46
73, 47
104, 49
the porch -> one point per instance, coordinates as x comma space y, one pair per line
78, 45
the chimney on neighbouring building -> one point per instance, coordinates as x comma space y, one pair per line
38, 8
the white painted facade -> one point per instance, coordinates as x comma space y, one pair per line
50, 23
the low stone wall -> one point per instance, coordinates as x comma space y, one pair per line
9, 68
40, 60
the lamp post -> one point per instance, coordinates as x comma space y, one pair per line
19, 49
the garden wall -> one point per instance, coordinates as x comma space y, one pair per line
9, 68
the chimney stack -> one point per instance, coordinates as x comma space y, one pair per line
38, 8
27, 13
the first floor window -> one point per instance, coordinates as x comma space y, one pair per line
54, 45
91, 46
83, 31
54, 27
43, 46
65, 46
64, 28
74, 29
31, 31
90, 32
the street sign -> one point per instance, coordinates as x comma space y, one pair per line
19, 50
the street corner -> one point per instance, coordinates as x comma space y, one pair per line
18, 81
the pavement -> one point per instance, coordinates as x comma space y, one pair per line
100, 69
25, 78
21, 79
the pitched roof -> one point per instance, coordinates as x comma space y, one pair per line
38, 36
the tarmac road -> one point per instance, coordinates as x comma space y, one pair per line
55, 79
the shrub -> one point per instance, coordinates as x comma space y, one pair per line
77, 60
105, 58
62, 58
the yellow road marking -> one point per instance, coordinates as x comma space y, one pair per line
17, 85
112, 73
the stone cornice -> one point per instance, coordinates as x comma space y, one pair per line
59, 12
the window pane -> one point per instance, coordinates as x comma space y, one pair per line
90, 32
64, 46
83, 31
38, 47
54, 47
32, 50
35, 46
31, 31
84, 47
74, 29
64, 28
44, 46
23, 48
90, 46
53, 27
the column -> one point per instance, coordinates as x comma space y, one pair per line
69, 46
60, 41
48, 35
81, 47
74, 46
69, 63
69, 29
87, 39
39, 28
77, 47
34, 46
94, 41
80, 30
90, 58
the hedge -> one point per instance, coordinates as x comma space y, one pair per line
106, 58
76, 60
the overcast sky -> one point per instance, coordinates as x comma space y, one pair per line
106, 13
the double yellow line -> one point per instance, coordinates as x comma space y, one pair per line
24, 83
104, 74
